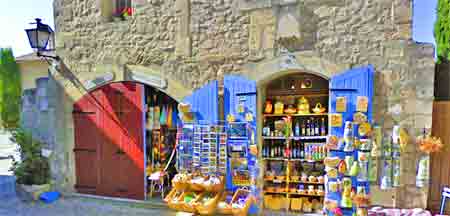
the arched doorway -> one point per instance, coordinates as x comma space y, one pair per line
115, 126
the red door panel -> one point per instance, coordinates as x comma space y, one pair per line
132, 159
118, 128
87, 140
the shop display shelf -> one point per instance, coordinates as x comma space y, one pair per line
276, 159
295, 115
311, 183
276, 181
306, 195
294, 137
273, 192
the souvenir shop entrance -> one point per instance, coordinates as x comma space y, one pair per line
308, 139
125, 134
293, 159
313, 146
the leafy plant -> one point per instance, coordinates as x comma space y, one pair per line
442, 30
10, 90
34, 168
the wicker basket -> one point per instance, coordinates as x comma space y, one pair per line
196, 187
177, 206
171, 194
208, 208
217, 188
295, 178
274, 204
242, 211
296, 204
181, 186
189, 207
228, 209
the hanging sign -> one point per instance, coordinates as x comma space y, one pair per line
152, 80
336, 120
362, 102
341, 104
98, 81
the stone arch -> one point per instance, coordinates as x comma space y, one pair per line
304, 61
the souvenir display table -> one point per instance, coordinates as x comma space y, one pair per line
204, 164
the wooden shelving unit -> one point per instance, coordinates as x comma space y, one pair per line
289, 90
295, 137
296, 115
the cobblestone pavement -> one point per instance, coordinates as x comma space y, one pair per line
78, 207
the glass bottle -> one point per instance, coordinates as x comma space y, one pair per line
323, 131
316, 128
303, 129
297, 129
307, 128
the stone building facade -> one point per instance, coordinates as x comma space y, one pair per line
189, 42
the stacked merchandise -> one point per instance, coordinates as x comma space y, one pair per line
347, 164
221, 134
198, 186
185, 137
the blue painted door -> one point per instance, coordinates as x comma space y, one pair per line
350, 84
240, 101
205, 102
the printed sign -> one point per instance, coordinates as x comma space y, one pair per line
362, 103
154, 81
98, 81
341, 104
336, 120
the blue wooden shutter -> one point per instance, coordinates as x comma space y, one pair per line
236, 87
204, 102
350, 84
240, 90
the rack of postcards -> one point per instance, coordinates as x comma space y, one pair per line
220, 133
203, 147
347, 164
185, 138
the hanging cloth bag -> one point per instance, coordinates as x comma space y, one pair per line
157, 113
169, 117
175, 116
163, 118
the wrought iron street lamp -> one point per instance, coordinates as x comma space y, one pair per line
39, 38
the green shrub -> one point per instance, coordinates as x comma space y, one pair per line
34, 168
442, 30
10, 90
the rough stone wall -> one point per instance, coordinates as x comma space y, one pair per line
200, 40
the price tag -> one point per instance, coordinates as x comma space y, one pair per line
341, 104
336, 120
362, 102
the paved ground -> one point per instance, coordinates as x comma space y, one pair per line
79, 207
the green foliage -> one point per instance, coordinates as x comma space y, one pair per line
34, 168
10, 90
442, 30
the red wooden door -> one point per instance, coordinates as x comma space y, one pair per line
87, 146
119, 123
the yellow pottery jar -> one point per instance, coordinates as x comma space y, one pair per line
303, 106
